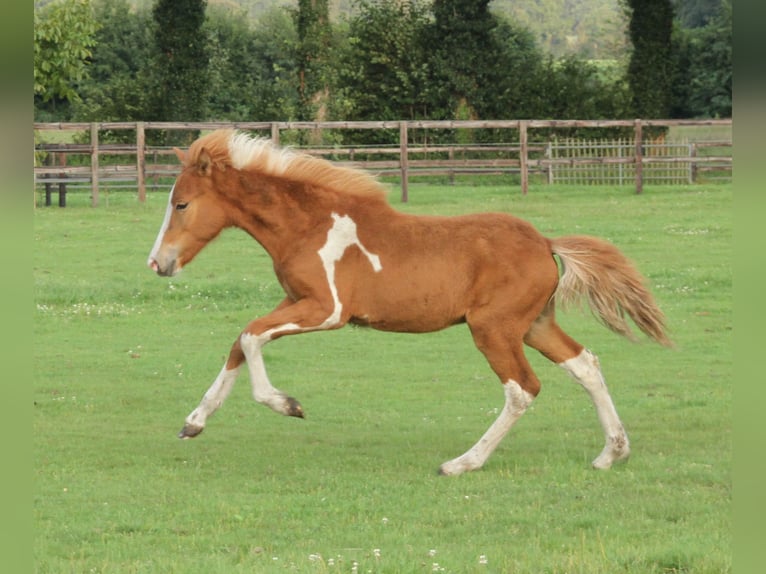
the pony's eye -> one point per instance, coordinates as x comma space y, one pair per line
181, 206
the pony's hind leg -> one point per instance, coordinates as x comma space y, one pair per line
520, 386
547, 337
516, 402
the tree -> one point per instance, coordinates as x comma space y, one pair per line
650, 71
711, 69
463, 52
384, 70
118, 84
274, 42
253, 73
64, 33
233, 72
703, 82
312, 23
516, 70
181, 65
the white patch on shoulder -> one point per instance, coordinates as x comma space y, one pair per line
340, 237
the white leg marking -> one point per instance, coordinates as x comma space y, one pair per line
341, 236
516, 402
586, 370
163, 228
212, 400
263, 391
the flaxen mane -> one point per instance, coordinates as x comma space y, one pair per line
229, 148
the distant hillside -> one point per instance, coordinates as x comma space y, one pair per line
591, 28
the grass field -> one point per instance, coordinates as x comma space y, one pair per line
121, 357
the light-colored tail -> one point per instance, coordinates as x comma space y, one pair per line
597, 271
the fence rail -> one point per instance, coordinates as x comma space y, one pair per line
584, 161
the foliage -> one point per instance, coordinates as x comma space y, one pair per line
571, 88
650, 72
119, 86
385, 60
513, 72
384, 68
461, 39
233, 73
252, 68
312, 23
703, 86
180, 66
64, 34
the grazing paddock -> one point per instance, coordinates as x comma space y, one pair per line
119, 355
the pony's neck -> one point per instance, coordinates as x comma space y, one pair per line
277, 213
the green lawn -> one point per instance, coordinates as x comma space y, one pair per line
121, 357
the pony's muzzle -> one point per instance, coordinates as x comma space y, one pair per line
167, 270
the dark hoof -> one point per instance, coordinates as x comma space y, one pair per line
190, 431
294, 408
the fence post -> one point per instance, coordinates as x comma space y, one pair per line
451, 157
275, 133
549, 168
523, 157
94, 163
403, 159
692, 164
141, 160
620, 166
62, 185
639, 157
49, 186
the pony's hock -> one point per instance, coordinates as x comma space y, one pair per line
343, 255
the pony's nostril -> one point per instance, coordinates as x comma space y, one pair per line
153, 265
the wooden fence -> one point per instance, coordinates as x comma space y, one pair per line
664, 162
139, 166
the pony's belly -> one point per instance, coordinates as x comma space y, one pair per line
409, 319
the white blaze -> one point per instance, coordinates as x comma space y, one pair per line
163, 229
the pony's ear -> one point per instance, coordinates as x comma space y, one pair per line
181, 155
205, 163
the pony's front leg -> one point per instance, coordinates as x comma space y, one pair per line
215, 395
263, 391
288, 319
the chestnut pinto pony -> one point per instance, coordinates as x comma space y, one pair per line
343, 255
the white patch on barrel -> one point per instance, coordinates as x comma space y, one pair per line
163, 229
340, 237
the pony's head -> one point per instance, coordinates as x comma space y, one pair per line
195, 213
203, 199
